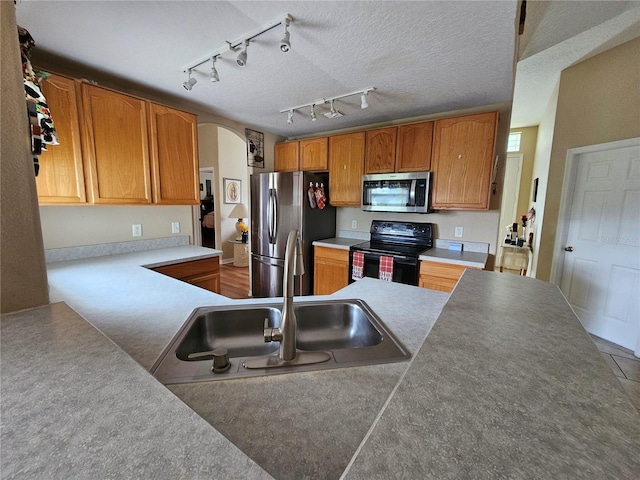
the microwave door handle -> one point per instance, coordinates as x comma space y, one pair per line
412, 193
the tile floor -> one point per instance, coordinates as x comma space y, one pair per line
624, 365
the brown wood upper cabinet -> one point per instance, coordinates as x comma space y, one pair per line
314, 154
112, 146
116, 147
413, 147
287, 157
346, 166
61, 177
380, 150
173, 141
406, 148
463, 150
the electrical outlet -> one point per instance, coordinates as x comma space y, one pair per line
354, 224
175, 227
458, 232
137, 230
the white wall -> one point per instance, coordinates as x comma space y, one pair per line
24, 278
541, 172
71, 226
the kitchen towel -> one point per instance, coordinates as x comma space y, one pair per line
357, 268
385, 270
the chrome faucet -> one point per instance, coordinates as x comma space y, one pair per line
287, 332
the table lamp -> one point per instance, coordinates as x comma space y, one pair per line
240, 212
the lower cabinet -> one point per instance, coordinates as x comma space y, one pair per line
440, 276
330, 270
203, 273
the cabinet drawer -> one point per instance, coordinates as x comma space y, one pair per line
195, 268
443, 270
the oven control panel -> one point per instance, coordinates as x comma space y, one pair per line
404, 232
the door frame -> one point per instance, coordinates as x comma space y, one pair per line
568, 187
501, 224
195, 211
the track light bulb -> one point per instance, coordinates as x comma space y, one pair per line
188, 85
333, 110
290, 117
214, 72
313, 113
242, 56
285, 46
363, 100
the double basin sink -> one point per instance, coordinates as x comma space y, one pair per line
348, 330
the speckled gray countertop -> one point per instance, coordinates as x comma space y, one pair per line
341, 243
75, 406
489, 394
465, 259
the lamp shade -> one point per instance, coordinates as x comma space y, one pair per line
240, 211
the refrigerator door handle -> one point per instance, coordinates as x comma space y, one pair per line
272, 214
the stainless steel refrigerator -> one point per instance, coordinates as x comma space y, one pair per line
280, 203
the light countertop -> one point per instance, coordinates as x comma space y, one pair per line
341, 243
443, 255
489, 394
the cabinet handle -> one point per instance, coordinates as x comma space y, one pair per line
459, 156
568, 249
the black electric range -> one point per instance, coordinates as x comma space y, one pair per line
404, 242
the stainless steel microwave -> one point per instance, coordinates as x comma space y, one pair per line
396, 192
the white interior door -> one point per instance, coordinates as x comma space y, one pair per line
601, 272
508, 214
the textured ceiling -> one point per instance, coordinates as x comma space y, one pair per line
422, 57
558, 35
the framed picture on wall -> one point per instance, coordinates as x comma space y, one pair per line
232, 190
255, 148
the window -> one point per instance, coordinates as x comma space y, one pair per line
513, 145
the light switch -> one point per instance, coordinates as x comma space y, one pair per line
175, 227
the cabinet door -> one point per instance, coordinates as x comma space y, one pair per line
173, 142
313, 154
116, 147
380, 151
287, 157
440, 276
462, 160
61, 177
331, 270
413, 152
346, 166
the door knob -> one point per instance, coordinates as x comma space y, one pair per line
568, 249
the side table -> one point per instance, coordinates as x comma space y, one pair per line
515, 258
240, 253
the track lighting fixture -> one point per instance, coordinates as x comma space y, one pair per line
233, 47
188, 85
214, 72
333, 112
285, 46
242, 56
363, 100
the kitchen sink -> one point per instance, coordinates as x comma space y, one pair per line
348, 330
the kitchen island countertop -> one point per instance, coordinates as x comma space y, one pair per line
488, 394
